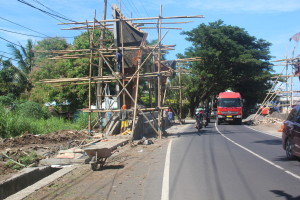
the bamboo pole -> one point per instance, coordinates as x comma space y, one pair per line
159, 77
108, 50
91, 38
180, 96
142, 23
135, 101
134, 19
173, 28
118, 110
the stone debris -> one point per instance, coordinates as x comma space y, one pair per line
268, 120
145, 141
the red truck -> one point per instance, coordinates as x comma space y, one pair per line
230, 106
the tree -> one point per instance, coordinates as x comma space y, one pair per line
230, 58
71, 68
25, 59
9, 79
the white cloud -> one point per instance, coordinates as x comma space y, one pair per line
237, 6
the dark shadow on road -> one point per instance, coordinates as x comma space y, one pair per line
113, 167
280, 193
284, 159
269, 142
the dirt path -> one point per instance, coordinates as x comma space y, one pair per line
126, 171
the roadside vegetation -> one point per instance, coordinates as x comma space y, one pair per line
18, 118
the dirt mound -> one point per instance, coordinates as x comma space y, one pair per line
43, 146
47, 139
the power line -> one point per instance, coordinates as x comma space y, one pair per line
21, 33
44, 11
10, 42
51, 9
46, 36
134, 8
24, 26
54, 13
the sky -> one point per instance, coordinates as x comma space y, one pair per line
272, 20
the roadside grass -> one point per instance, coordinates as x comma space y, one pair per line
30, 159
13, 124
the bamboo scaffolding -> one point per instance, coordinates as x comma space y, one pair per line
105, 50
129, 95
95, 78
103, 54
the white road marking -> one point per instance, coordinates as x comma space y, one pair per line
166, 177
262, 158
262, 132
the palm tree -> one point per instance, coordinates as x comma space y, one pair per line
25, 59
9, 79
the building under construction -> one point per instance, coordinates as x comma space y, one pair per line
115, 87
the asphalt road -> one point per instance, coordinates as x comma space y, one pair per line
225, 162
230, 162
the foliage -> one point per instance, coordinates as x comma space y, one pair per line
26, 160
16, 80
9, 83
33, 110
12, 123
230, 58
7, 100
55, 69
49, 44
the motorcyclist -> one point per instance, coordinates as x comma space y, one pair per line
199, 117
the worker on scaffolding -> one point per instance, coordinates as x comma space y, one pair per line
118, 60
124, 115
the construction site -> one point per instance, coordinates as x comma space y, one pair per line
284, 93
113, 83
139, 62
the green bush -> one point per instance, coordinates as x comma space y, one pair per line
7, 100
31, 109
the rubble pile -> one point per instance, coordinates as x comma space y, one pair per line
268, 120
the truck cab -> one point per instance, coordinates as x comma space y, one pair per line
229, 107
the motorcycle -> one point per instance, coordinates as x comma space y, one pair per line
199, 124
199, 121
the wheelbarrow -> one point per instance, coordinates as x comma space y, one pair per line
97, 157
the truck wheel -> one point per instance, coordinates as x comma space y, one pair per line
218, 122
239, 121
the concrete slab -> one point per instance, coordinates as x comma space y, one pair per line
62, 161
